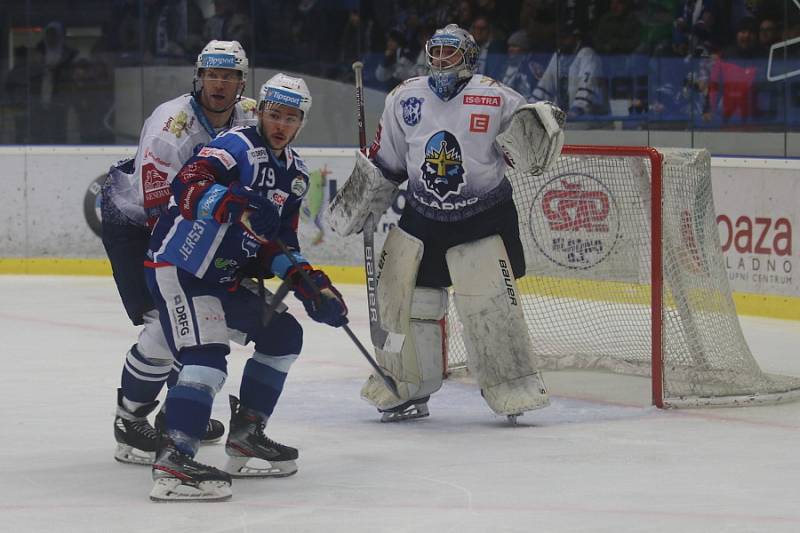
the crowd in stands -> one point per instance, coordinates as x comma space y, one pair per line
678, 63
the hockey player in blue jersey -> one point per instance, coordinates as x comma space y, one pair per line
235, 205
134, 195
454, 137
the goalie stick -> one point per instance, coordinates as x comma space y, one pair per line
388, 381
381, 338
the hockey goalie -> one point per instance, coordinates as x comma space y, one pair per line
452, 135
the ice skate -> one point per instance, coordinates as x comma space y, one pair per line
136, 439
179, 478
214, 431
251, 453
407, 411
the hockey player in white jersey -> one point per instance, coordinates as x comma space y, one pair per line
452, 135
135, 193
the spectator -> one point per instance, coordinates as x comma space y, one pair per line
573, 79
230, 22
539, 18
769, 33
678, 80
56, 60
20, 86
733, 73
491, 50
178, 29
465, 14
518, 72
398, 64
93, 99
619, 30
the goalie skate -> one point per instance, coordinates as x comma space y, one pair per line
136, 438
251, 453
407, 411
179, 478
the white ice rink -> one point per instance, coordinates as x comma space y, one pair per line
583, 464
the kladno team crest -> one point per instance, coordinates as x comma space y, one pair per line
443, 169
412, 110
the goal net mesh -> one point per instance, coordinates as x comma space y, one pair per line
587, 233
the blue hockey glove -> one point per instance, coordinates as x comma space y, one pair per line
241, 204
322, 301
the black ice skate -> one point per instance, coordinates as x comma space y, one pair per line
136, 438
214, 431
179, 478
408, 411
248, 444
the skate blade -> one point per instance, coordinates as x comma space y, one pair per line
237, 467
169, 490
133, 456
417, 411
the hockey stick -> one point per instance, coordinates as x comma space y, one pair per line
389, 382
381, 338
274, 301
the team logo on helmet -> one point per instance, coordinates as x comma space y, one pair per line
443, 169
412, 110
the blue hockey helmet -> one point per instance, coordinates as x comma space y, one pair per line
451, 55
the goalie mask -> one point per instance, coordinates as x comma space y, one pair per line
451, 55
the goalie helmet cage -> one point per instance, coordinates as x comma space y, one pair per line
625, 274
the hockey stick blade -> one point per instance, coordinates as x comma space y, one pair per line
390, 384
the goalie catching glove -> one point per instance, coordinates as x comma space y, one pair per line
534, 138
322, 301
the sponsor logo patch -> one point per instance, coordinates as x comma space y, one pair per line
299, 186
479, 99
257, 155
220, 155
478, 123
155, 186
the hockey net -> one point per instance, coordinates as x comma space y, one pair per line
625, 274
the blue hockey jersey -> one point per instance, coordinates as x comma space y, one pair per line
215, 251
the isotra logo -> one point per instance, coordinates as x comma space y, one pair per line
581, 221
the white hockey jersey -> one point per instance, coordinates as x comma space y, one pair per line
175, 131
446, 150
574, 83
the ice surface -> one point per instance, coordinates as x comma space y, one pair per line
599, 459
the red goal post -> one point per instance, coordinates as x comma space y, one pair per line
625, 274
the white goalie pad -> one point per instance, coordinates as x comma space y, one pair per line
534, 138
499, 347
366, 192
417, 313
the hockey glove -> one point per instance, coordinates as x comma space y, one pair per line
322, 301
534, 137
242, 204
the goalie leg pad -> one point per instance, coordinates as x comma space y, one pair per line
499, 347
366, 192
417, 369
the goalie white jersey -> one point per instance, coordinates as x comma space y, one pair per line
174, 132
441, 146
